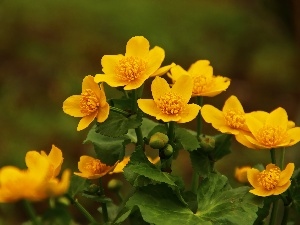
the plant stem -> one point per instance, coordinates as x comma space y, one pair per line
171, 131
273, 156
31, 212
285, 215
139, 136
199, 100
84, 212
103, 204
274, 212
282, 156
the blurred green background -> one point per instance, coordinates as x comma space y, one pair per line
47, 47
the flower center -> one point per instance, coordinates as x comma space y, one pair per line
130, 68
234, 118
269, 178
89, 102
271, 136
170, 103
94, 166
201, 84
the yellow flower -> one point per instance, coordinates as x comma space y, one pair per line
230, 120
89, 105
91, 168
133, 68
271, 130
241, 174
205, 83
170, 104
271, 181
38, 181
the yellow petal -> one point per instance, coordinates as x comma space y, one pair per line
286, 174
120, 166
148, 106
176, 72
260, 115
89, 83
102, 99
168, 118
183, 87
244, 141
159, 87
280, 189
294, 135
260, 191
56, 159
278, 117
83, 161
60, 187
137, 46
163, 70
190, 113
220, 84
154, 61
71, 106
253, 124
232, 103
255, 143
213, 115
86, 120
136, 83
201, 67
252, 177
109, 63
110, 79
103, 113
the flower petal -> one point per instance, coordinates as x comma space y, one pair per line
278, 117
86, 120
286, 174
71, 106
252, 177
201, 67
136, 83
109, 63
148, 106
162, 70
183, 87
137, 46
89, 83
190, 113
159, 87
56, 159
232, 103
154, 60
294, 135
83, 161
244, 141
103, 113
213, 115
253, 124
280, 189
260, 191
110, 79
176, 72
168, 117
61, 187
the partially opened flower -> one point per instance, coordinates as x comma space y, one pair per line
89, 105
91, 168
133, 68
270, 131
241, 174
271, 181
230, 120
170, 104
204, 82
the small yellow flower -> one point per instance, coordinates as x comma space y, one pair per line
241, 174
271, 181
205, 83
37, 182
89, 105
133, 68
230, 120
271, 130
91, 168
170, 104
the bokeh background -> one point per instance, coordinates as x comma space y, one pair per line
47, 47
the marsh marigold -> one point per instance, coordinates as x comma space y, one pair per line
204, 82
170, 104
89, 105
37, 182
271, 181
133, 68
241, 174
271, 130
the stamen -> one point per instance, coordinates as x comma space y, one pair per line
235, 118
269, 178
94, 166
271, 136
170, 104
201, 84
89, 102
130, 68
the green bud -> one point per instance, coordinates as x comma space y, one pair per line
114, 184
207, 142
168, 150
158, 140
93, 189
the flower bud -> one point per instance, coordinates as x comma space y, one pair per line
93, 188
114, 184
207, 142
168, 150
158, 140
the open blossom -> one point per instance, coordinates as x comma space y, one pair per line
170, 104
230, 120
271, 130
133, 68
271, 181
37, 182
91, 168
204, 82
89, 105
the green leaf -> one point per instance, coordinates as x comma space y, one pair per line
187, 140
58, 215
220, 204
160, 206
77, 184
117, 125
222, 146
295, 189
159, 128
108, 149
200, 163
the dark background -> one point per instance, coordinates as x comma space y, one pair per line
47, 47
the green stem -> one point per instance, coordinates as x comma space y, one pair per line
139, 136
285, 215
84, 212
199, 100
31, 212
171, 131
273, 156
103, 204
134, 107
195, 182
274, 212
282, 156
